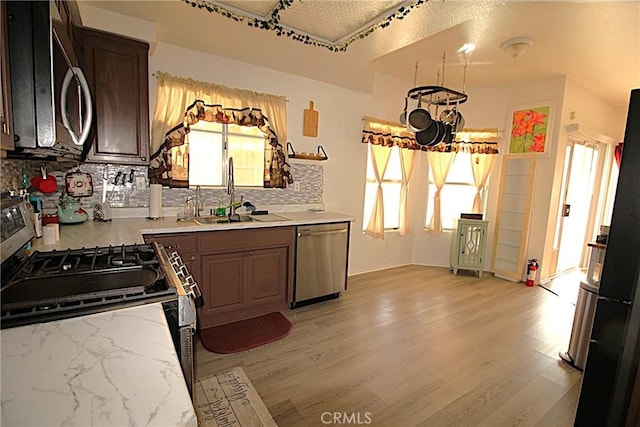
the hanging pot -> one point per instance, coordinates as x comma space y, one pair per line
453, 118
459, 125
403, 115
448, 134
432, 135
419, 119
449, 116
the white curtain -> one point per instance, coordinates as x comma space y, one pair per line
175, 94
481, 165
439, 163
379, 161
408, 160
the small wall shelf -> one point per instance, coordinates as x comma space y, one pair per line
320, 155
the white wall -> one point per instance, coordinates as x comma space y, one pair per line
592, 113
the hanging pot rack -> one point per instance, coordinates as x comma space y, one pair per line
437, 95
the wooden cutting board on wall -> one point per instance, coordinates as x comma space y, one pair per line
310, 121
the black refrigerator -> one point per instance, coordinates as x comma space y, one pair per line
610, 392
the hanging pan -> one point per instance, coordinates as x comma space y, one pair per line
403, 115
459, 124
419, 119
448, 134
432, 135
453, 117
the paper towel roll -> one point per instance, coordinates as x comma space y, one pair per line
49, 234
155, 201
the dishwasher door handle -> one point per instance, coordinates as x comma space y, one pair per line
322, 233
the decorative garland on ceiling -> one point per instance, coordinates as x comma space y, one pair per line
273, 23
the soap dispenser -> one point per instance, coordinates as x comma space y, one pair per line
221, 209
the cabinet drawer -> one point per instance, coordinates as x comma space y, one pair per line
183, 243
246, 239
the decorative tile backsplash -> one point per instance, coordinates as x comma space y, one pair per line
310, 177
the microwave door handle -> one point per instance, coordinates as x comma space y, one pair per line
88, 118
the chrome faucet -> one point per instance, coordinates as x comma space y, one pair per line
231, 188
199, 205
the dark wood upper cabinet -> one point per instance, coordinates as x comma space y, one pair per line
6, 119
117, 71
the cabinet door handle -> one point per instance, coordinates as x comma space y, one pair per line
192, 258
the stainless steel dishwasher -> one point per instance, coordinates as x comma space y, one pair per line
321, 262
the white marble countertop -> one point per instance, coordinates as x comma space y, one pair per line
128, 231
116, 368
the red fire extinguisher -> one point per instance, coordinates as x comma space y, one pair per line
532, 267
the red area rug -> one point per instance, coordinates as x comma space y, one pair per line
245, 334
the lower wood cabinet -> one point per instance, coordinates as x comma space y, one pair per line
244, 284
241, 273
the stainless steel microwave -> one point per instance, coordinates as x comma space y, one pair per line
51, 100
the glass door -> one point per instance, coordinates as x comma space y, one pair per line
575, 209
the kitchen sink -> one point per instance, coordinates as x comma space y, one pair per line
212, 219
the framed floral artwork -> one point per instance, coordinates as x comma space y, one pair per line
530, 130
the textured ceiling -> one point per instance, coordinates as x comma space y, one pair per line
315, 18
335, 22
596, 44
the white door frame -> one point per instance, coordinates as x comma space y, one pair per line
593, 205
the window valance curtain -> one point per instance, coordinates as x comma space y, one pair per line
380, 134
482, 146
476, 141
182, 102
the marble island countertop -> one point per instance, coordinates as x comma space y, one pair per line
116, 368
126, 231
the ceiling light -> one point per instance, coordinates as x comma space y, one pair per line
516, 46
467, 48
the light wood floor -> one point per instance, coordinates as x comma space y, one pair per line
418, 346
567, 285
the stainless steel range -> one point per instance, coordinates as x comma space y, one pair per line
54, 285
